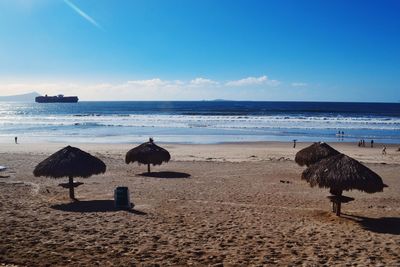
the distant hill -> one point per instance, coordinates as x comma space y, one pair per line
29, 97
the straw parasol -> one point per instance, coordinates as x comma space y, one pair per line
340, 173
148, 153
314, 153
70, 162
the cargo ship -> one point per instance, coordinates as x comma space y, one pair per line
56, 99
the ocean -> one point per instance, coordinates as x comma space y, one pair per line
199, 122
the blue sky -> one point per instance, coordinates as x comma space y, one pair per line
204, 49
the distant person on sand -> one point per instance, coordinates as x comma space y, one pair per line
16, 139
384, 150
372, 143
294, 143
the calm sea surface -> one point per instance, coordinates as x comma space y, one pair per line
199, 121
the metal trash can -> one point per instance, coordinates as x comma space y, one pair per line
121, 198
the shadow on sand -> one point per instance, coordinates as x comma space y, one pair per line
92, 206
165, 174
384, 225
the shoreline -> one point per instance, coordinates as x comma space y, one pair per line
229, 152
192, 136
2, 142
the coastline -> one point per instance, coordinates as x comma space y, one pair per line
230, 152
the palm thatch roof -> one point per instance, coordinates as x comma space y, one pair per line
148, 153
314, 153
70, 162
341, 172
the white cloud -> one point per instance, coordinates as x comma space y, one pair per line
251, 81
299, 84
203, 82
148, 83
273, 83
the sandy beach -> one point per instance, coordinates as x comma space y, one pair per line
233, 204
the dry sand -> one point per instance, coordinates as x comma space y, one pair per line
243, 204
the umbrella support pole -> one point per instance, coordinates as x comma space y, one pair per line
71, 188
337, 201
148, 168
338, 206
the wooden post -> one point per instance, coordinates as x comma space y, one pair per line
338, 208
333, 206
71, 188
339, 203
148, 168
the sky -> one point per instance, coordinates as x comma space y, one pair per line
311, 50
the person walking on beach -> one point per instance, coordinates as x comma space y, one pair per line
384, 150
16, 139
372, 143
294, 143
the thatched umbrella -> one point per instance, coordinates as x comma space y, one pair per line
339, 173
148, 153
314, 153
70, 162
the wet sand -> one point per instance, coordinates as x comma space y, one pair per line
229, 204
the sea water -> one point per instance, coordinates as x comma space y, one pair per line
199, 121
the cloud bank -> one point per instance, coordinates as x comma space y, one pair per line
150, 89
251, 81
203, 82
